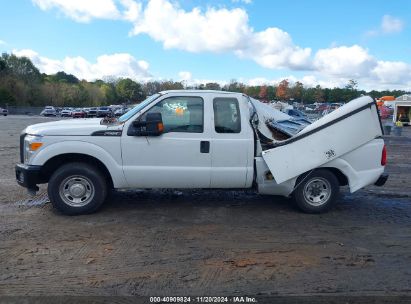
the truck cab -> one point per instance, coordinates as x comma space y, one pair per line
201, 139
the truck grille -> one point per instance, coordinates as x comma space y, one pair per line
22, 136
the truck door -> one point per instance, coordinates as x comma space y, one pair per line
179, 158
232, 144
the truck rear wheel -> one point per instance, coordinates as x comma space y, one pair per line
77, 188
317, 191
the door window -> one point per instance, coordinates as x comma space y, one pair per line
227, 117
180, 114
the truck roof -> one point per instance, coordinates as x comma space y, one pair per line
201, 92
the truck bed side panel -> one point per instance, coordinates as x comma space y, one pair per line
361, 166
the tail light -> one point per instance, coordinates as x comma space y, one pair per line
160, 126
384, 156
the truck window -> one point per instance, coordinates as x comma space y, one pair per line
180, 114
227, 117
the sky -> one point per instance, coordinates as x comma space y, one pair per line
317, 42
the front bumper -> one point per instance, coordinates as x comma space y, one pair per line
28, 176
381, 180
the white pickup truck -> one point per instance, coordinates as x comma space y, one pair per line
205, 139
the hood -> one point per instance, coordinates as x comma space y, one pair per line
74, 127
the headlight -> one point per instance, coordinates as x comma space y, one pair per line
32, 143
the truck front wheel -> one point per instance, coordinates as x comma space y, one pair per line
317, 191
77, 188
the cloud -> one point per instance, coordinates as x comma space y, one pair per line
117, 65
242, 1
385, 75
226, 30
392, 72
273, 48
185, 76
335, 66
309, 81
219, 30
81, 10
353, 61
2, 42
378, 75
389, 25
215, 30
132, 10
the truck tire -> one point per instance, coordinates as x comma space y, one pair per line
317, 191
77, 188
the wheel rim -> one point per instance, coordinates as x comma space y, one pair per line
317, 191
76, 191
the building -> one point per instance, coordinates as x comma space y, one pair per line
402, 109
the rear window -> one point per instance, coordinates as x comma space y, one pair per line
227, 117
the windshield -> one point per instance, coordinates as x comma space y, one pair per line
138, 108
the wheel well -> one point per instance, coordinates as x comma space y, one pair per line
53, 163
342, 179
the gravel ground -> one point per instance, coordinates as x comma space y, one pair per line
206, 242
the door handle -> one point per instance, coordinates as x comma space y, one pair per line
204, 146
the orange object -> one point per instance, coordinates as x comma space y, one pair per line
380, 103
387, 98
160, 127
34, 146
180, 111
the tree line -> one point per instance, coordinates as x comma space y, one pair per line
22, 84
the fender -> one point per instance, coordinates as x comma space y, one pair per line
345, 169
356, 179
81, 147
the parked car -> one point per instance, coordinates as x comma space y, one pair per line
295, 113
86, 110
4, 112
336, 105
309, 108
188, 139
92, 112
66, 112
327, 111
78, 113
121, 111
321, 107
103, 111
49, 111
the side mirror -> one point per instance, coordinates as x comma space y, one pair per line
152, 126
